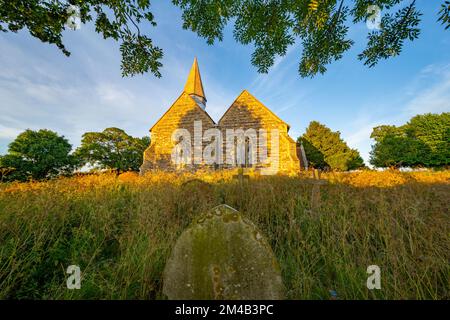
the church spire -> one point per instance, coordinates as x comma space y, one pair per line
194, 86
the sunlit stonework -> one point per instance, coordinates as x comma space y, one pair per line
245, 113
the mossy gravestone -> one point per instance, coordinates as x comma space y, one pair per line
222, 256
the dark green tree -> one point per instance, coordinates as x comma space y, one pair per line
313, 155
378, 133
399, 150
434, 131
37, 155
423, 141
112, 149
326, 149
270, 25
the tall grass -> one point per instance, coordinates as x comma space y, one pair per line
120, 232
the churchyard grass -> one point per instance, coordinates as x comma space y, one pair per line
120, 231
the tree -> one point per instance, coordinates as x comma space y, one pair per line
313, 155
38, 155
378, 133
325, 149
112, 149
433, 130
396, 151
423, 141
271, 26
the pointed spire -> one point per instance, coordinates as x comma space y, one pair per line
194, 84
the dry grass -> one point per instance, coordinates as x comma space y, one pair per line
120, 232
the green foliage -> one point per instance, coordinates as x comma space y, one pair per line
314, 156
380, 132
321, 27
325, 44
423, 141
271, 26
37, 155
113, 149
326, 149
434, 131
46, 20
395, 29
445, 14
396, 151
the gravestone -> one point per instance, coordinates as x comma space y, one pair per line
222, 256
315, 194
240, 176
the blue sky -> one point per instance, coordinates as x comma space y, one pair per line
41, 88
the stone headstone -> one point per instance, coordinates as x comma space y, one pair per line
222, 256
240, 176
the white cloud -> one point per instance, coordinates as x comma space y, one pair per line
283, 65
435, 98
8, 133
113, 94
41, 88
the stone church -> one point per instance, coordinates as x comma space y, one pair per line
246, 112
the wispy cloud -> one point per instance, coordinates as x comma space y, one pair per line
277, 73
428, 92
435, 98
84, 93
35, 93
7, 132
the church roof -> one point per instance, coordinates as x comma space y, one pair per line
246, 93
194, 83
193, 100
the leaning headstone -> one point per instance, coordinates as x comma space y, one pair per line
222, 256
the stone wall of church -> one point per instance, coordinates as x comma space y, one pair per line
181, 114
248, 113
245, 113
